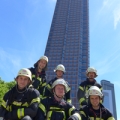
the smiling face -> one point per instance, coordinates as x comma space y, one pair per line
42, 64
95, 100
22, 81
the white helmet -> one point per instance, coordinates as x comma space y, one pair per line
60, 81
60, 67
94, 90
91, 69
44, 58
25, 72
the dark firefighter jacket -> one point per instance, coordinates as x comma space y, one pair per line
39, 80
88, 113
51, 109
17, 104
83, 88
48, 92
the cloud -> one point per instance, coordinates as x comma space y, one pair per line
105, 2
106, 7
110, 10
108, 62
18, 58
8, 62
116, 16
11, 60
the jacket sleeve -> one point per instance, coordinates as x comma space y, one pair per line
109, 115
35, 80
31, 110
83, 114
47, 92
81, 96
5, 106
67, 95
41, 113
39, 83
42, 86
73, 113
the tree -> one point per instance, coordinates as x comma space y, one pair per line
10, 84
4, 87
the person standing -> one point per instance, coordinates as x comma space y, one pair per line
91, 74
39, 74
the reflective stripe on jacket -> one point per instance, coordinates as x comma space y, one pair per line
19, 104
101, 114
50, 109
83, 88
39, 81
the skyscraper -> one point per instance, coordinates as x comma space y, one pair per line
109, 97
68, 42
108, 103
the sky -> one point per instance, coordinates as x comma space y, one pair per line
24, 29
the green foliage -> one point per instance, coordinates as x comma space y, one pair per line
4, 87
10, 84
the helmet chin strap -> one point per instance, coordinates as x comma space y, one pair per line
58, 96
25, 88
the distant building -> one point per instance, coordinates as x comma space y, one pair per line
108, 103
109, 97
68, 42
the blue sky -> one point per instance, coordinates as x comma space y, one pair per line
24, 28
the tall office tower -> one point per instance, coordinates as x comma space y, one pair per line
68, 42
109, 96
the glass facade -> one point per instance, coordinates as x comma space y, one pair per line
107, 86
68, 42
107, 102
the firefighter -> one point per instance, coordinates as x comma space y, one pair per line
21, 102
39, 75
60, 70
91, 74
55, 107
95, 110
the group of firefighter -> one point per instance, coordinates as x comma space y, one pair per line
33, 98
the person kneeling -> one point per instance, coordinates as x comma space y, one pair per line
21, 102
95, 110
55, 107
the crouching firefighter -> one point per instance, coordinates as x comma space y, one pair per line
95, 110
21, 102
56, 107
